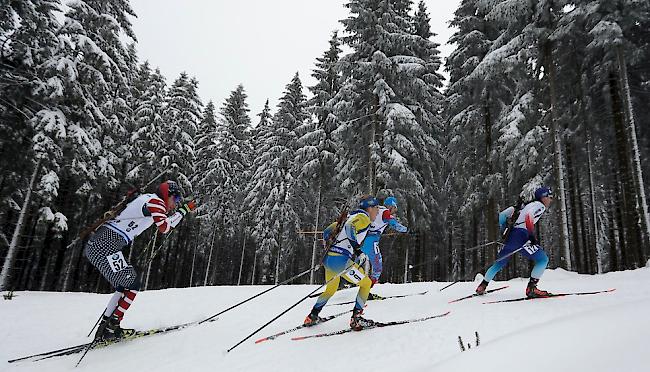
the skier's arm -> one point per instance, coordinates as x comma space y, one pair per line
356, 229
327, 233
530, 226
156, 208
392, 222
503, 217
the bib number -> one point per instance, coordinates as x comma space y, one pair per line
531, 249
354, 275
117, 262
375, 246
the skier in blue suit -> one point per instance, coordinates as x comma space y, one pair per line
385, 218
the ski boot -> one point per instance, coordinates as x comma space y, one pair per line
358, 323
480, 290
109, 329
533, 292
312, 319
372, 296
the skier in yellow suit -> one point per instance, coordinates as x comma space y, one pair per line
339, 262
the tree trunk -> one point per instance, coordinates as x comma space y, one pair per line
641, 204
557, 158
7, 267
314, 248
586, 112
491, 207
631, 228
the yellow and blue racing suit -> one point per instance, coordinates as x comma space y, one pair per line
339, 260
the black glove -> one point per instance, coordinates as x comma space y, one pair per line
533, 239
356, 247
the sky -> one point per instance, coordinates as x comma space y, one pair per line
258, 43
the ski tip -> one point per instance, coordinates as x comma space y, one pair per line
261, 340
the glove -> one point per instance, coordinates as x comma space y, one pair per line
356, 247
533, 239
361, 259
187, 208
401, 228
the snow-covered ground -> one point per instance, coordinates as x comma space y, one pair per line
605, 332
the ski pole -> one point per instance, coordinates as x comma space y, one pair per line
480, 246
155, 251
261, 293
146, 248
97, 322
424, 263
485, 267
291, 307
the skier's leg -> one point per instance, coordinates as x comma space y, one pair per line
541, 261
356, 275
516, 239
371, 249
112, 303
330, 264
128, 295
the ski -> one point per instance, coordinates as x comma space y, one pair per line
49, 352
101, 344
381, 299
476, 294
551, 296
325, 319
376, 325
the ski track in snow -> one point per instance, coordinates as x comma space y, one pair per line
604, 332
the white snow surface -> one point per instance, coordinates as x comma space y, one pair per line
604, 332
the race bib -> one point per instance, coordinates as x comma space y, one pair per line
530, 248
117, 262
375, 246
354, 275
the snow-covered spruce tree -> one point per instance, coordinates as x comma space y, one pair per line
181, 118
387, 104
316, 153
147, 136
616, 43
257, 135
464, 133
472, 106
80, 86
271, 190
27, 40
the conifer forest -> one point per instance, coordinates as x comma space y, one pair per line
548, 92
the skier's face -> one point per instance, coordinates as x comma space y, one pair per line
547, 200
392, 210
372, 212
